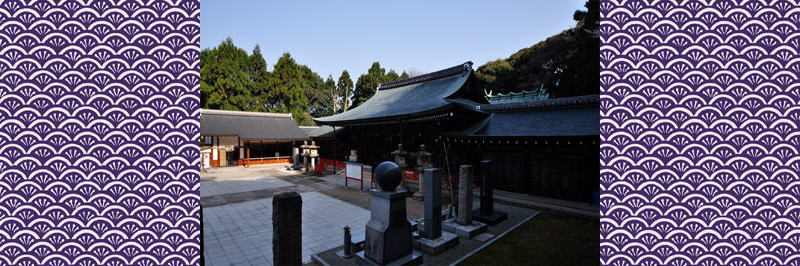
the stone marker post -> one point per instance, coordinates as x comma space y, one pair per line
465, 195
388, 234
487, 214
463, 225
433, 203
487, 188
433, 240
286, 233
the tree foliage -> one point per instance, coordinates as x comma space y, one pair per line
367, 84
345, 92
565, 64
230, 79
225, 82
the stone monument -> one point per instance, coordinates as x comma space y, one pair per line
433, 241
400, 156
423, 162
286, 233
463, 225
487, 214
305, 155
388, 232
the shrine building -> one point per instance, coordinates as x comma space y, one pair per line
542, 147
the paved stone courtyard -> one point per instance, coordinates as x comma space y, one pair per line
237, 215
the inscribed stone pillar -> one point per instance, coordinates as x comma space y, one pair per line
433, 203
465, 195
487, 214
286, 233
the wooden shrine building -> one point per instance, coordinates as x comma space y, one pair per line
544, 147
229, 138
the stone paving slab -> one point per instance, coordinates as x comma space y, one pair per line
240, 184
241, 233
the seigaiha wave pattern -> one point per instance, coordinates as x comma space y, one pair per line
99, 122
700, 110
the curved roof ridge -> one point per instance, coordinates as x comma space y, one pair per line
459, 69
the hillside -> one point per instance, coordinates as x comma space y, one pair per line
565, 63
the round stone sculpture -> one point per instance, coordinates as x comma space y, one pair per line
388, 176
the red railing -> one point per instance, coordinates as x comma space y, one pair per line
414, 175
407, 174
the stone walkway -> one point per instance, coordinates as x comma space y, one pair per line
237, 215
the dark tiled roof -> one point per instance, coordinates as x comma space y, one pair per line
406, 98
321, 131
250, 125
574, 116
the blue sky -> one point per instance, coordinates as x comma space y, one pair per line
418, 36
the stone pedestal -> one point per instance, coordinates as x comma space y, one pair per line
437, 245
433, 241
465, 231
486, 213
388, 232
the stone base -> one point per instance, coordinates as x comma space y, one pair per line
493, 219
418, 196
414, 258
436, 246
465, 231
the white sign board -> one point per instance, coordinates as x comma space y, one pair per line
353, 170
214, 154
206, 161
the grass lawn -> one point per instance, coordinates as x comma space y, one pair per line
546, 239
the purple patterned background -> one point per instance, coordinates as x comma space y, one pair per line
98, 133
700, 110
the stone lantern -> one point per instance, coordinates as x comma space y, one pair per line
424, 161
305, 155
313, 154
400, 156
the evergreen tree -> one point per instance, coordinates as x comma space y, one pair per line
345, 88
404, 75
367, 84
288, 90
330, 89
257, 69
391, 76
224, 81
319, 100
